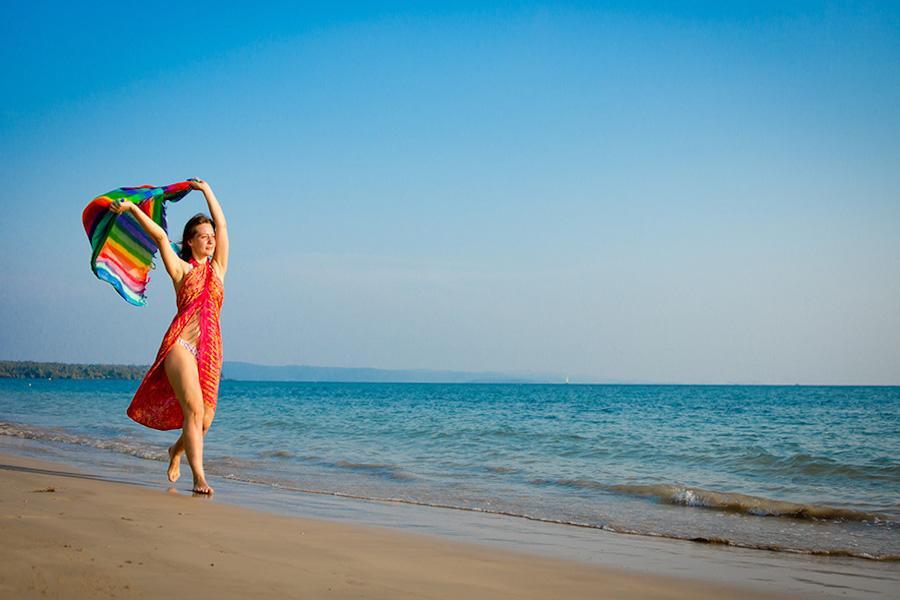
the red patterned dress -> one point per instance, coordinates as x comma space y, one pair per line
199, 303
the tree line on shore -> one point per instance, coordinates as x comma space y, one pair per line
24, 369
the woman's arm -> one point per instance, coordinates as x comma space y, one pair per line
174, 265
220, 254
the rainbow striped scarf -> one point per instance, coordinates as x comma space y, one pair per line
122, 251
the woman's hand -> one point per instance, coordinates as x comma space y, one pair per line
198, 184
121, 206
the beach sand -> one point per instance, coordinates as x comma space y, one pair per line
67, 534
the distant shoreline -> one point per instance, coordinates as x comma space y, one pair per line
27, 369
244, 371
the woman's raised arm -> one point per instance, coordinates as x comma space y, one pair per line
174, 264
220, 254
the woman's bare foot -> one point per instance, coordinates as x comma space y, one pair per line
174, 471
201, 487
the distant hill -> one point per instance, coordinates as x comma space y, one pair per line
252, 372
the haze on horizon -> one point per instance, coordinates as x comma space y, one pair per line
660, 192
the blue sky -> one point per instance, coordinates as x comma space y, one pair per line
688, 192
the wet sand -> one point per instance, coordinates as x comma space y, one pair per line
73, 535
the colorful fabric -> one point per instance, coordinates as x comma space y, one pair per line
122, 252
199, 303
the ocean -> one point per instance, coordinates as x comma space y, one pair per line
798, 469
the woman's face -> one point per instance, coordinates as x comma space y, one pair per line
203, 242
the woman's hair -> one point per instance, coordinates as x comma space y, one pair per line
190, 228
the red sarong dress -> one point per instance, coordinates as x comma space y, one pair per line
200, 297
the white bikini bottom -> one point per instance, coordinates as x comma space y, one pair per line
189, 346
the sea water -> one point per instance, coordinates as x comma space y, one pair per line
798, 469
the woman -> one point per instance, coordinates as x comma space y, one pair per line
182, 385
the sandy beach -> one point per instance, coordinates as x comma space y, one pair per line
68, 534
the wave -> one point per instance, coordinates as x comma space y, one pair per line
750, 505
153, 453
116, 445
728, 501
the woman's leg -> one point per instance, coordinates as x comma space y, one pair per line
181, 369
177, 449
